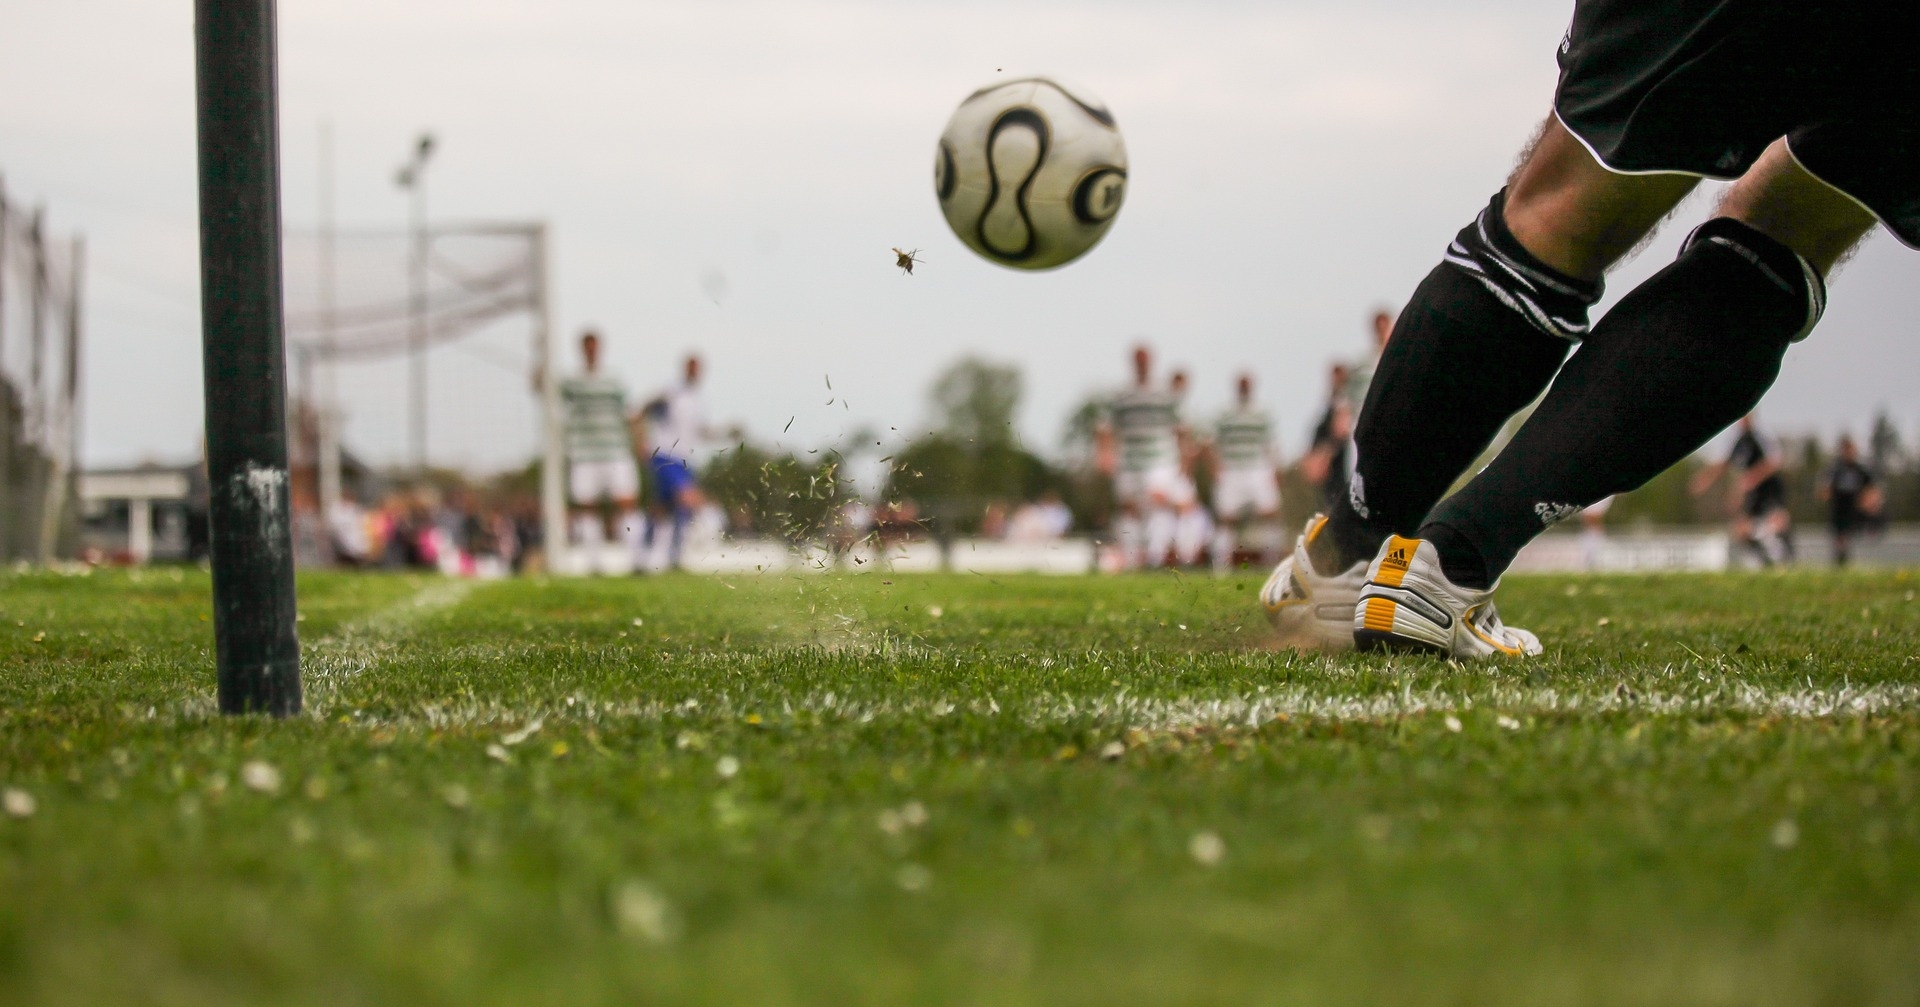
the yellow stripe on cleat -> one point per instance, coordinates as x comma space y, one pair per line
1393, 566
1379, 615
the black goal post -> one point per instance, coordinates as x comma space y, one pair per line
244, 357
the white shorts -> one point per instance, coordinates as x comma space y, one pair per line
613, 479
1185, 494
1136, 489
1245, 492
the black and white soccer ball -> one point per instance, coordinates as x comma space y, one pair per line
1031, 172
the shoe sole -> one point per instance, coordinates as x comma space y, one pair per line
1375, 641
1385, 614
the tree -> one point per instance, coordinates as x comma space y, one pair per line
975, 401
973, 458
1884, 450
777, 495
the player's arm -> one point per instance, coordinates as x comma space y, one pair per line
1766, 468
1704, 479
638, 422
1105, 454
1872, 498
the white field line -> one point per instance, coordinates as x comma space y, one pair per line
1120, 710
347, 653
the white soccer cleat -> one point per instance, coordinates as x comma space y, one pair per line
1309, 609
1409, 604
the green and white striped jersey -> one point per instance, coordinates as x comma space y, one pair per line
596, 418
1244, 438
1145, 421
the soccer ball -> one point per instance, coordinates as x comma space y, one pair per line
1030, 173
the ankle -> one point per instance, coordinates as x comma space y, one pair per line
1344, 541
1460, 559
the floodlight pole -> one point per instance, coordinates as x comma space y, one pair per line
553, 502
326, 409
244, 357
413, 177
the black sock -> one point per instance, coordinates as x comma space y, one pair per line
1680, 358
1481, 337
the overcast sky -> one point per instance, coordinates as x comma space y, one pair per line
1293, 165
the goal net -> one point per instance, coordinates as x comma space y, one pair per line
39, 385
406, 362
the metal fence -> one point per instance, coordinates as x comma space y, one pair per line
40, 336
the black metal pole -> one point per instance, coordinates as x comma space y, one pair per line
244, 357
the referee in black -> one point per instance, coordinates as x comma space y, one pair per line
1853, 498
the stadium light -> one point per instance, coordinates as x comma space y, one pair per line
412, 177
244, 358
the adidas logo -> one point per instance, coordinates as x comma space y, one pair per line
1554, 513
1396, 558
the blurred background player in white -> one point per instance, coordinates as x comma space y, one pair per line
1139, 444
676, 426
1047, 519
1192, 524
1246, 483
599, 445
1761, 522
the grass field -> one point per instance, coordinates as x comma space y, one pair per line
960, 789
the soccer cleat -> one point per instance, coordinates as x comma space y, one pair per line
1309, 609
1408, 603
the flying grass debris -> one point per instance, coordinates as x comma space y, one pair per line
905, 260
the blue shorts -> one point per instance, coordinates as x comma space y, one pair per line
671, 476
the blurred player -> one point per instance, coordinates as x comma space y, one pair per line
1762, 523
1360, 376
1325, 463
1853, 498
1192, 525
599, 446
1593, 532
1139, 440
1246, 484
676, 426
1813, 108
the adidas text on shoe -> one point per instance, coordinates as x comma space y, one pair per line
1308, 609
1407, 603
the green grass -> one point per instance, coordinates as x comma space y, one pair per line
1704, 793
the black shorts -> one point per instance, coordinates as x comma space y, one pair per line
1848, 520
1764, 499
1701, 87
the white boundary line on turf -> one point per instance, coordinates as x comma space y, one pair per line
351, 650
1120, 710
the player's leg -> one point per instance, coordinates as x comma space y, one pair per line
1486, 331
1193, 527
686, 500
1129, 522
1268, 534
623, 486
1161, 519
1684, 355
585, 487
